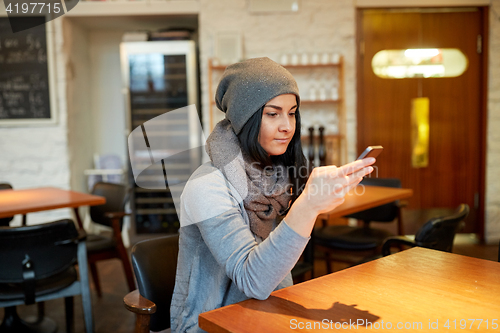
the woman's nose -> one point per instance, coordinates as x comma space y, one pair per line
286, 125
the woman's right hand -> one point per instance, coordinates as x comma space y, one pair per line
324, 191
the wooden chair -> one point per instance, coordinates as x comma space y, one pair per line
103, 247
437, 233
343, 240
38, 263
155, 264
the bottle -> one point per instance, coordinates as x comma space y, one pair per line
310, 152
322, 93
312, 93
284, 59
335, 93
335, 58
322, 148
304, 59
314, 59
325, 58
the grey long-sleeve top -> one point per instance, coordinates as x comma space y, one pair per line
220, 260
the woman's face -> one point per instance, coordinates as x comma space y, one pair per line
278, 124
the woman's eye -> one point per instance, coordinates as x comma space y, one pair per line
292, 114
271, 114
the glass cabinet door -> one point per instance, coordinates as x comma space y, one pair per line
158, 85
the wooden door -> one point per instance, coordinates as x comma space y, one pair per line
456, 156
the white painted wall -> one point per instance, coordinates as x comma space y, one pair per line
81, 137
107, 100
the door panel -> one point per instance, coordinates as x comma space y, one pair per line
384, 108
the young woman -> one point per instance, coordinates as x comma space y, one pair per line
248, 214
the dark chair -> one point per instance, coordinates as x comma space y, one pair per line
38, 264
437, 233
336, 238
499, 251
4, 222
305, 264
155, 264
103, 246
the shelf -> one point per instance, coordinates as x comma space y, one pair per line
122, 8
223, 67
336, 144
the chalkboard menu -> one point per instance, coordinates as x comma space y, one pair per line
24, 74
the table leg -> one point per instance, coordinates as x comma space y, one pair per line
78, 219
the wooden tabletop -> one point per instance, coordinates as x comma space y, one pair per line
413, 290
363, 197
14, 202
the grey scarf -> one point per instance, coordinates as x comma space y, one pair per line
265, 192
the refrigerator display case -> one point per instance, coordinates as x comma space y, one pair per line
165, 137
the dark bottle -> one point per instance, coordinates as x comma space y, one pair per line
322, 148
310, 152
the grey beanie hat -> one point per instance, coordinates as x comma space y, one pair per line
247, 86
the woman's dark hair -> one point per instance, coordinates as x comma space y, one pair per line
293, 159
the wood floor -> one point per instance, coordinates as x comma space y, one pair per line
110, 315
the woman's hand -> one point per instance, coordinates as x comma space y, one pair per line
324, 191
327, 186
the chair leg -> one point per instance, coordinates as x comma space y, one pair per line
69, 309
10, 319
401, 230
127, 267
328, 263
12, 323
41, 311
142, 323
85, 287
95, 278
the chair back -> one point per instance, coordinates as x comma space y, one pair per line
115, 195
155, 264
439, 233
5, 221
51, 248
384, 213
104, 163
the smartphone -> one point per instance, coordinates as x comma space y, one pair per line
371, 151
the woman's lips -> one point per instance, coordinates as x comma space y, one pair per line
283, 140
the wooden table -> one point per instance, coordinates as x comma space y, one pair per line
14, 202
413, 290
364, 197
